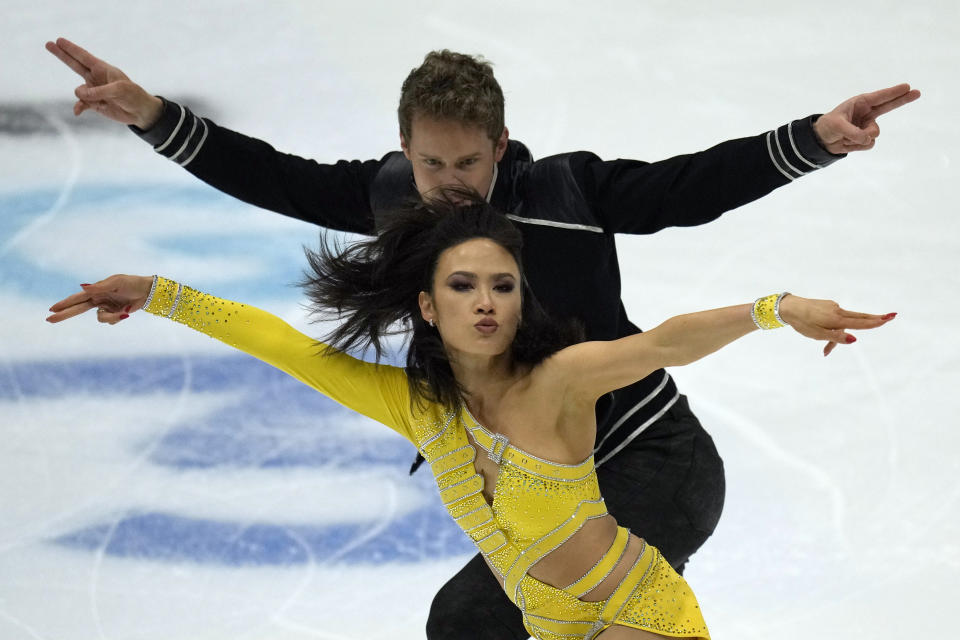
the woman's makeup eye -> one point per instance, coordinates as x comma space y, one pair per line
461, 285
505, 287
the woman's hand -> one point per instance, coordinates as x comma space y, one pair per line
114, 299
826, 320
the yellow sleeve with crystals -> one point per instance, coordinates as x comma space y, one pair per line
377, 391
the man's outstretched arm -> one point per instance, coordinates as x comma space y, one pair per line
632, 196
335, 196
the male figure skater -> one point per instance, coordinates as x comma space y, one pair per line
658, 469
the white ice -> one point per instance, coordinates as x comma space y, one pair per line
843, 506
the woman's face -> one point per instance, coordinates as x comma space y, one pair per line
476, 302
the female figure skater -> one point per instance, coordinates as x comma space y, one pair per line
498, 398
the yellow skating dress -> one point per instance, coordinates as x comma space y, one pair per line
537, 504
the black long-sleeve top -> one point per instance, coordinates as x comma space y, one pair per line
568, 207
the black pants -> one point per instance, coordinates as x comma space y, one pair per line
667, 486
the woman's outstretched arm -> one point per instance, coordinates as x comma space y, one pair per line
377, 391
599, 367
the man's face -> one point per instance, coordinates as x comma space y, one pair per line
449, 153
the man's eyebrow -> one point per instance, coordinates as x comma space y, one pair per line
468, 156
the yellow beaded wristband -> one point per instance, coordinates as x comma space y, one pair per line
164, 297
766, 311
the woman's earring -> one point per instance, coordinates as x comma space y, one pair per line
430, 322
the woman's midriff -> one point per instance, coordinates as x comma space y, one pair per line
570, 561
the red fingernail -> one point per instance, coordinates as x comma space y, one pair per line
890, 316
85, 285
127, 309
124, 316
851, 339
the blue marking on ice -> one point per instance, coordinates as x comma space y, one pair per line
19, 205
280, 251
277, 423
274, 409
426, 533
129, 376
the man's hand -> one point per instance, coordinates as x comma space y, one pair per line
106, 89
852, 126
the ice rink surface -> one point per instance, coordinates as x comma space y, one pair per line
154, 484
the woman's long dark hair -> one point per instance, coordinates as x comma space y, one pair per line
372, 287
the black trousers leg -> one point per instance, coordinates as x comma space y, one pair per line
472, 606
